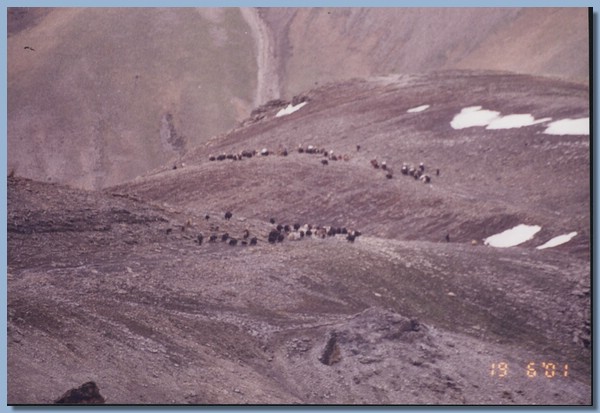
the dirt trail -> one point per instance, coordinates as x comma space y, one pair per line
268, 77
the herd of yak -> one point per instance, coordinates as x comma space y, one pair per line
298, 231
418, 173
277, 234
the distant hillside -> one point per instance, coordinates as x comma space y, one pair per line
324, 44
490, 179
97, 96
109, 93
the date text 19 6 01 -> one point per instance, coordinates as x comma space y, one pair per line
544, 369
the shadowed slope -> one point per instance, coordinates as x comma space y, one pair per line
110, 93
153, 317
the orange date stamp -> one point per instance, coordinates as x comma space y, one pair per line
544, 369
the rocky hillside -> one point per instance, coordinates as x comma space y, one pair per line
97, 97
117, 287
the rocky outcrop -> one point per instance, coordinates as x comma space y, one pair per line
87, 393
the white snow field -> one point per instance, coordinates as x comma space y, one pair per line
515, 121
473, 116
514, 236
491, 119
561, 239
579, 126
289, 109
418, 109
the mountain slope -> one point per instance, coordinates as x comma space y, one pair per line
109, 94
113, 286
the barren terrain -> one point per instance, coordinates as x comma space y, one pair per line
113, 286
98, 96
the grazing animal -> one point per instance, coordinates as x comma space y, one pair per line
272, 220
200, 239
309, 233
169, 230
279, 227
404, 170
350, 237
207, 217
384, 165
221, 157
357, 148
211, 157
421, 167
374, 163
280, 237
253, 241
228, 215
354, 234
213, 238
447, 237
300, 149
244, 242
296, 227
426, 179
246, 234
264, 152
224, 237
389, 175
233, 242
321, 232
286, 228
273, 236
437, 172
294, 236
324, 162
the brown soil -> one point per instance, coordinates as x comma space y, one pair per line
112, 286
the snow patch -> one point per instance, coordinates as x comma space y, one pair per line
561, 239
491, 119
515, 121
579, 126
513, 236
289, 109
473, 116
418, 109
